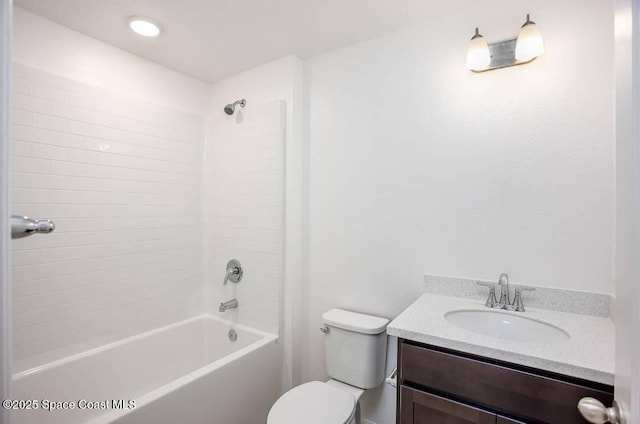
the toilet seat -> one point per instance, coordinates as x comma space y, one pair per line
313, 403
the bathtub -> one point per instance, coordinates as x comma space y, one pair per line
187, 373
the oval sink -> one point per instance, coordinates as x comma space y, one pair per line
506, 326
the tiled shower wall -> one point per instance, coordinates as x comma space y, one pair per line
244, 210
122, 180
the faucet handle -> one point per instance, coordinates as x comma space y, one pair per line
234, 272
517, 304
491, 299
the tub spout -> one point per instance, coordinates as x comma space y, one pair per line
231, 304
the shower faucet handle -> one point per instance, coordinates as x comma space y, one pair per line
234, 272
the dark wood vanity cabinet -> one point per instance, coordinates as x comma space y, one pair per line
441, 386
418, 406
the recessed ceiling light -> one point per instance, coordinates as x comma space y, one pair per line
144, 26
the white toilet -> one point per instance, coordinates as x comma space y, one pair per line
356, 349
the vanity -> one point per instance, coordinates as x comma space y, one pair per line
440, 385
475, 368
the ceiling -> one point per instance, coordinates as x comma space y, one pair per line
212, 39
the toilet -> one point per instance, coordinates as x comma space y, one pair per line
356, 349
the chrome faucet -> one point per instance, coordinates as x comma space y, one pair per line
230, 304
503, 301
503, 282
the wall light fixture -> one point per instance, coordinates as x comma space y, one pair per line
518, 51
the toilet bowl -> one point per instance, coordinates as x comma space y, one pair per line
355, 346
317, 403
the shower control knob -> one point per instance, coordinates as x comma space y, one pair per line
234, 272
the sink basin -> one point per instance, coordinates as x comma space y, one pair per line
506, 326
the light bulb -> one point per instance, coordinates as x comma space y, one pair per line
144, 26
478, 56
529, 44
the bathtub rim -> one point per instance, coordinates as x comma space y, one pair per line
130, 339
147, 398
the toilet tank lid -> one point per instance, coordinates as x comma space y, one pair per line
354, 321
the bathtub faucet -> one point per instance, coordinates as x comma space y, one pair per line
230, 304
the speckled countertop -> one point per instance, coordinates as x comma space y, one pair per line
587, 354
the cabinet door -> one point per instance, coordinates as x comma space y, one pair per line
534, 397
418, 407
504, 420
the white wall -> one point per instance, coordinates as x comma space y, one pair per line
280, 80
419, 166
42, 44
95, 149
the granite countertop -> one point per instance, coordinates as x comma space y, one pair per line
587, 354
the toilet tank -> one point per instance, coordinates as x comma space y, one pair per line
355, 347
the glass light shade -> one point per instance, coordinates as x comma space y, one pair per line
529, 44
478, 56
144, 26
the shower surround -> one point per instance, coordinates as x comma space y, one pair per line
122, 180
244, 210
148, 212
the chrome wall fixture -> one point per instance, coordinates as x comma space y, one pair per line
229, 304
526, 47
22, 226
233, 273
231, 108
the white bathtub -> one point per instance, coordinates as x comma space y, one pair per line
185, 373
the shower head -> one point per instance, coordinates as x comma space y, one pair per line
231, 108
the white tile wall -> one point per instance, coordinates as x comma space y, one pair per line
244, 211
122, 180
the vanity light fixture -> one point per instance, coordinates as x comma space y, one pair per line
529, 44
144, 26
518, 51
478, 56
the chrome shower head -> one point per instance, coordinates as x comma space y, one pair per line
231, 108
